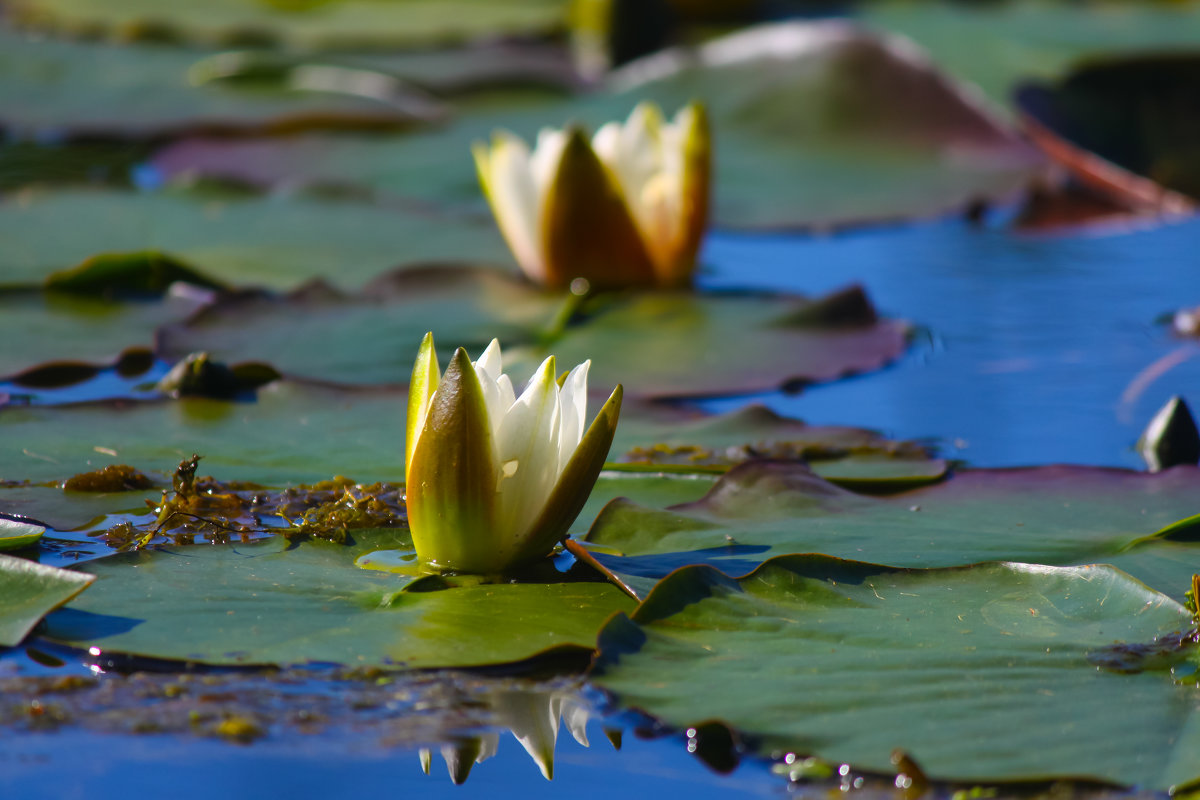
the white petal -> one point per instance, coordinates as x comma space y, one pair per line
573, 401
487, 368
607, 142
528, 454
507, 395
576, 715
491, 360
515, 201
545, 160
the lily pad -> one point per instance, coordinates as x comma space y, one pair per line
371, 336
661, 436
66, 511
682, 344
300, 24
15, 534
276, 242
815, 125
996, 45
274, 603
741, 343
79, 329
90, 88
1045, 515
984, 673
29, 591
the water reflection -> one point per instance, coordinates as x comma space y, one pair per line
532, 717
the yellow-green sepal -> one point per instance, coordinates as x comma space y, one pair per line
575, 484
452, 476
587, 228
424, 382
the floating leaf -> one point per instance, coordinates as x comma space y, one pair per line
1047, 515
273, 603
84, 331
15, 534
683, 344
29, 591
90, 88
814, 124
656, 435
979, 674
143, 272
370, 337
994, 46
299, 24
277, 242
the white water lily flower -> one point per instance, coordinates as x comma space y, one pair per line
494, 480
628, 208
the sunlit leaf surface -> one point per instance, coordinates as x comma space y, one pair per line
984, 673
29, 591
275, 603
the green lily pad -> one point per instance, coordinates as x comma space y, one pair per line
683, 344
79, 329
979, 674
274, 603
15, 534
814, 126
65, 511
1045, 515
997, 45
90, 88
300, 24
29, 591
373, 335
741, 343
660, 436
276, 242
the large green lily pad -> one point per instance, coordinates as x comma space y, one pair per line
815, 125
271, 603
65, 511
681, 344
1046, 515
70, 328
303, 24
981, 674
29, 591
734, 343
292, 433
90, 88
997, 45
373, 335
277, 242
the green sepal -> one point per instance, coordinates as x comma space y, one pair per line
424, 382
587, 228
451, 489
575, 484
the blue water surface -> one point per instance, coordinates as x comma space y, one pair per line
1029, 349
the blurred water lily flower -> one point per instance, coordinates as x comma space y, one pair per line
628, 208
494, 480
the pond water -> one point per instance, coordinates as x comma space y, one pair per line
1031, 349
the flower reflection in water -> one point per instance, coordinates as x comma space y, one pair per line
533, 718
